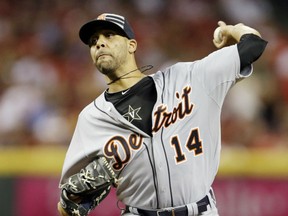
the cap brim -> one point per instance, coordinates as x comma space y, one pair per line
88, 29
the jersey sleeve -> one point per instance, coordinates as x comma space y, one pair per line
77, 155
219, 71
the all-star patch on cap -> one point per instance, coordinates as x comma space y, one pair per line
106, 21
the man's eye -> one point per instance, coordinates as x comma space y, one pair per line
110, 34
92, 42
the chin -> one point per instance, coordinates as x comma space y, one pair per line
105, 70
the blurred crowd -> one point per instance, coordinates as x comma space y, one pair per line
47, 77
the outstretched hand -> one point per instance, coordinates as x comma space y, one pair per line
225, 35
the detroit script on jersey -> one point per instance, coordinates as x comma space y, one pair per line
162, 118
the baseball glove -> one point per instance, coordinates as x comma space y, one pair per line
86, 189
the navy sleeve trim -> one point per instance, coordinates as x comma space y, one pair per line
250, 48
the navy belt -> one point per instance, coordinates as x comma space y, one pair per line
177, 211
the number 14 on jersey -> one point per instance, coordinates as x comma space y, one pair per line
193, 144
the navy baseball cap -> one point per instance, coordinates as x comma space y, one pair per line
106, 21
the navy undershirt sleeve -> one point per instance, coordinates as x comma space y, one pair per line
250, 48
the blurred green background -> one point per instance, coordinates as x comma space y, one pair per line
46, 78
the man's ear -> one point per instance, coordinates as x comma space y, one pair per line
132, 46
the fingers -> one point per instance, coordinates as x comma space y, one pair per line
224, 28
221, 23
220, 44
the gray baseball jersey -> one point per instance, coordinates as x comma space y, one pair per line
178, 164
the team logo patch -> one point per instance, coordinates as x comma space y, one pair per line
132, 114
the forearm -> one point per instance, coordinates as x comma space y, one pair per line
237, 31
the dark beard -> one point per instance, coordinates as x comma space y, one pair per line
107, 71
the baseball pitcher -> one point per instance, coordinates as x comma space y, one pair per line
155, 138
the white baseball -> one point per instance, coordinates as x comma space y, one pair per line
217, 35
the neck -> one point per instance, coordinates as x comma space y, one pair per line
124, 76
128, 79
125, 82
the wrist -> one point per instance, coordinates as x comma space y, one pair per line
237, 31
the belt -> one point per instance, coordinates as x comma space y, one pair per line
177, 211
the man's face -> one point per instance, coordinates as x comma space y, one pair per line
108, 50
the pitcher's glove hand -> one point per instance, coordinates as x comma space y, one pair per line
86, 189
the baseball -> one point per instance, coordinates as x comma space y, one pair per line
217, 35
